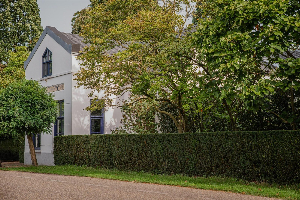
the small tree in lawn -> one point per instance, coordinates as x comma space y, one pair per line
26, 109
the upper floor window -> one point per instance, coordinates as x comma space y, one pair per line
47, 63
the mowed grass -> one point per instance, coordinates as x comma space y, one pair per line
208, 183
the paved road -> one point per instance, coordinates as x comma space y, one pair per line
23, 185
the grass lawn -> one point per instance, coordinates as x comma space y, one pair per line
209, 183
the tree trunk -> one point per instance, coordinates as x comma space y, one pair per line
232, 120
180, 128
180, 124
32, 151
293, 108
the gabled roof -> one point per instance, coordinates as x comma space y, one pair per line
70, 42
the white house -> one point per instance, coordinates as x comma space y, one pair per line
53, 64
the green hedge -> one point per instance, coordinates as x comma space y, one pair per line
272, 156
9, 151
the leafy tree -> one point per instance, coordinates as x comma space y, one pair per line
26, 109
138, 117
242, 43
141, 48
78, 20
14, 70
20, 25
80, 17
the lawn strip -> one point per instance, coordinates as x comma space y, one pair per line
208, 183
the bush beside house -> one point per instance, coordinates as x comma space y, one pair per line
272, 156
11, 149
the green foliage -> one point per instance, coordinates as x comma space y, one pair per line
20, 25
26, 108
144, 52
80, 17
254, 156
9, 151
14, 70
235, 70
138, 117
242, 44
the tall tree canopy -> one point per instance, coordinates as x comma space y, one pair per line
80, 17
20, 25
14, 70
143, 48
237, 69
251, 49
26, 108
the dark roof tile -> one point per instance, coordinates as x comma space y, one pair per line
69, 38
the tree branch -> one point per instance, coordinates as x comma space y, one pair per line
170, 115
284, 121
290, 54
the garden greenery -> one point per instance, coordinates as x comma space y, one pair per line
269, 156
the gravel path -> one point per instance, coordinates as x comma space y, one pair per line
24, 185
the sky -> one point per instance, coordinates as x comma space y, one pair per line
58, 13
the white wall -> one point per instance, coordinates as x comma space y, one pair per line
76, 118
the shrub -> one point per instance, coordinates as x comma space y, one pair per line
9, 150
270, 156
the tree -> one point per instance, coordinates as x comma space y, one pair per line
26, 109
20, 25
80, 17
14, 70
141, 48
242, 44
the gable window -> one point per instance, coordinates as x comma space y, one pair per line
47, 63
97, 121
59, 124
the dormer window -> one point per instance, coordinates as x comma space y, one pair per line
47, 63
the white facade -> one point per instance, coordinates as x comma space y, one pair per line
62, 85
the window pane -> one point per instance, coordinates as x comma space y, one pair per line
38, 139
95, 125
45, 69
62, 108
60, 124
47, 63
51, 68
49, 71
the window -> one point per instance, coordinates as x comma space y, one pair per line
37, 141
97, 122
59, 124
47, 63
